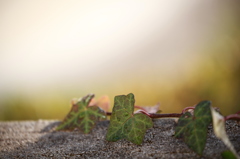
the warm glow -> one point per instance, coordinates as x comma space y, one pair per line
50, 50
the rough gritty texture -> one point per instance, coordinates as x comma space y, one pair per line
37, 139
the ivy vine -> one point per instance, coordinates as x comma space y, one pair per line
126, 124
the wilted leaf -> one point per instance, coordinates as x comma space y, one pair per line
126, 125
193, 128
149, 109
82, 116
102, 102
220, 131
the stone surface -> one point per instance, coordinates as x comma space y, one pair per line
37, 139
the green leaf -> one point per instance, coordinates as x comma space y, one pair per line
183, 123
228, 155
126, 125
82, 116
193, 128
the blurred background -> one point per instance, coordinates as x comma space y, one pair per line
173, 52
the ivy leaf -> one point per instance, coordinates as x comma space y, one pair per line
228, 155
82, 116
193, 128
183, 122
124, 124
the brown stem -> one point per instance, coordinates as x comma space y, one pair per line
232, 117
108, 113
153, 115
172, 115
177, 115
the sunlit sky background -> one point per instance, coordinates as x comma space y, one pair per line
55, 50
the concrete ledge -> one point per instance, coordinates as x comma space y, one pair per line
37, 139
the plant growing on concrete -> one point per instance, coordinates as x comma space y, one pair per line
193, 128
82, 116
126, 124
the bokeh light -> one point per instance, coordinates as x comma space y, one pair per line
175, 53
